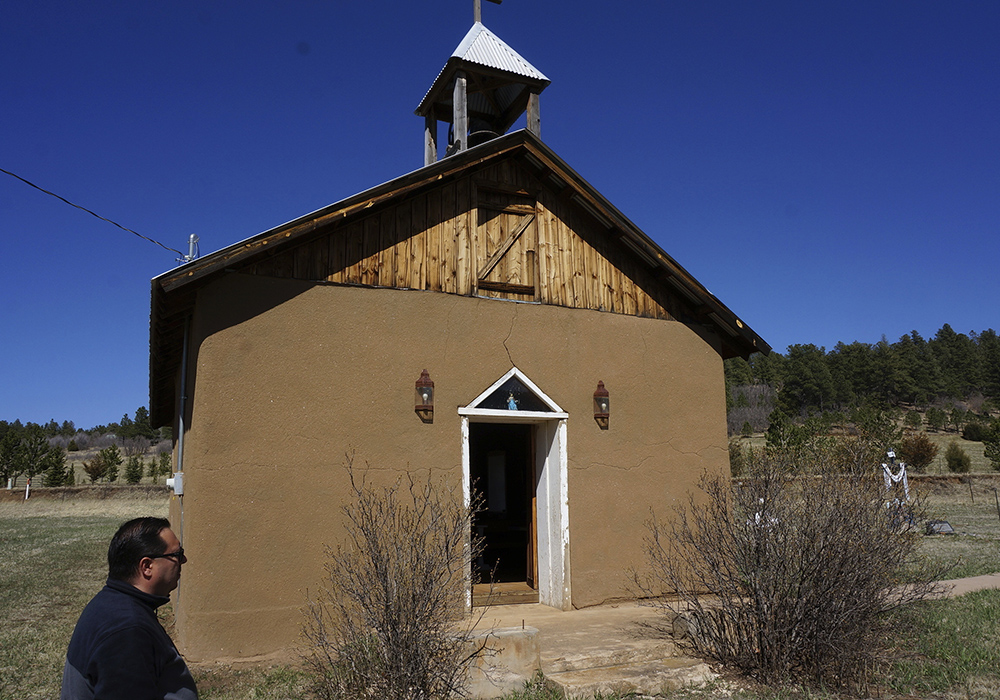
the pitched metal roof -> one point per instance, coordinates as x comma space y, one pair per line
483, 49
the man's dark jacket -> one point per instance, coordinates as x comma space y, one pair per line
119, 651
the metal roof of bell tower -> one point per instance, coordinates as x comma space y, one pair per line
482, 90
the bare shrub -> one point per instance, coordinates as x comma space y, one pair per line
753, 405
135, 446
787, 578
391, 620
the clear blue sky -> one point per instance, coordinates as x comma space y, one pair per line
829, 169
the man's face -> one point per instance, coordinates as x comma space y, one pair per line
166, 570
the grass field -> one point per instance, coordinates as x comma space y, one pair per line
53, 556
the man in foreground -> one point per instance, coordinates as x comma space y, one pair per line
119, 650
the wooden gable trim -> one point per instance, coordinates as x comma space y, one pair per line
647, 278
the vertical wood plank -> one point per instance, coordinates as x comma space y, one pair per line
355, 247
387, 234
420, 246
335, 246
371, 271
433, 233
465, 209
404, 235
449, 240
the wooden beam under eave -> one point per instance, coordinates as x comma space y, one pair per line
534, 114
430, 138
460, 107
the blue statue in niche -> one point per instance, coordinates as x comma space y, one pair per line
511, 402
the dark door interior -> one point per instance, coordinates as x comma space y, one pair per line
501, 468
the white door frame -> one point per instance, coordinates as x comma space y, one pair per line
552, 495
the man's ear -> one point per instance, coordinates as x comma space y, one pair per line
145, 567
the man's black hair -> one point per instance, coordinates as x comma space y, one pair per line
134, 540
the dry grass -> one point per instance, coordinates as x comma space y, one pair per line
974, 515
52, 560
53, 556
975, 450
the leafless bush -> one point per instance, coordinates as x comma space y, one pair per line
787, 578
160, 446
391, 620
753, 403
136, 446
101, 441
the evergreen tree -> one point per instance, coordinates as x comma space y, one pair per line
57, 471
957, 459
96, 468
808, 382
989, 362
126, 428
919, 363
768, 369
10, 447
991, 443
133, 469
112, 459
957, 357
141, 424
32, 452
166, 463
851, 369
936, 418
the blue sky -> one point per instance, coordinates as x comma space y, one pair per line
830, 169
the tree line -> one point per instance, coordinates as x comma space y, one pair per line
32, 449
948, 382
949, 369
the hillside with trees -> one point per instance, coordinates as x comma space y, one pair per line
105, 453
948, 383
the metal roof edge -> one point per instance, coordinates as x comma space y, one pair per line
632, 235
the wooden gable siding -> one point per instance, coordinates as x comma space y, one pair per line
442, 238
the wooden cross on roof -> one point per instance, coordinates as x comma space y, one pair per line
477, 10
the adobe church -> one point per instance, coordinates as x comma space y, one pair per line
489, 319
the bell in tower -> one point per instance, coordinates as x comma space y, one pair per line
481, 91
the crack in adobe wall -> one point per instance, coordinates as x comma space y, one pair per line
510, 332
699, 453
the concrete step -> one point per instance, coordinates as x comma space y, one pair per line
614, 652
641, 678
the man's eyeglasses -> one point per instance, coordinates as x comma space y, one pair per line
178, 555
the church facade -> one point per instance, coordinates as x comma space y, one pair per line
489, 320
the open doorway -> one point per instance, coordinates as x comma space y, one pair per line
502, 471
514, 436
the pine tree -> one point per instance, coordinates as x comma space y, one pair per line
133, 469
112, 459
57, 471
166, 463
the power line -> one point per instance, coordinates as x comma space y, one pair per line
123, 228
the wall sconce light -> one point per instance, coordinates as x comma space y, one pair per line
602, 402
425, 398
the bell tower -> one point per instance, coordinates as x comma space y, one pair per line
482, 90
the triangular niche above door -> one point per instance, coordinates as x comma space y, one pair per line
513, 396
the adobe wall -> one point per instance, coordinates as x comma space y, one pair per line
277, 397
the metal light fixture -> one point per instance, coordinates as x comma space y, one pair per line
602, 404
425, 398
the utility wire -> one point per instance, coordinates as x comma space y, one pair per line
123, 228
